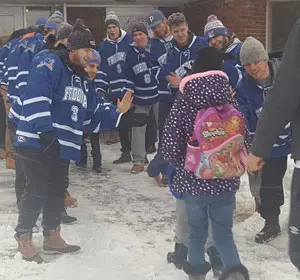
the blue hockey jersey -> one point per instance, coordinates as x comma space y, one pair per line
158, 55
4, 52
141, 79
35, 46
110, 77
12, 64
180, 61
58, 101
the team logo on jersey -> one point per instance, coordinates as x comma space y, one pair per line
151, 18
22, 139
76, 81
10, 115
48, 62
75, 92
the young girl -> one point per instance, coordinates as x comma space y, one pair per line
204, 199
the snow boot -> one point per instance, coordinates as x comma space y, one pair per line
54, 244
197, 272
137, 168
215, 261
270, 231
70, 201
124, 158
179, 256
197, 277
238, 272
27, 249
66, 219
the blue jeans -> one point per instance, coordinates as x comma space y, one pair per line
219, 208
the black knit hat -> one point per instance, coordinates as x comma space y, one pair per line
209, 59
139, 27
81, 37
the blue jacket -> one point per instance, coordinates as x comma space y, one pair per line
12, 65
4, 52
158, 55
110, 77
57, 101
25, 61
251, 98
141, 79
180, 61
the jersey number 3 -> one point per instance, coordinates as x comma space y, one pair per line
74, 115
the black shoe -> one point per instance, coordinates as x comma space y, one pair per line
215, 261
66, 219
81, 164
97, 169
124, 158
151, 149
179, 256
270, 231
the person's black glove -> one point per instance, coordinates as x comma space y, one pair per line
50, 145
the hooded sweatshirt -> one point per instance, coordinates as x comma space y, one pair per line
110, 77
199, 91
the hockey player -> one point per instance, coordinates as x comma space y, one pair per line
141, 81
49, 135
111, 78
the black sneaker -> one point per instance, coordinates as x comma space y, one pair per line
270, 231
66, 219
124, 158
215, 261
179, 256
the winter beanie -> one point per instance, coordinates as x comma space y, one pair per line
252, 51
95, 59
81, 37
140, 27
54, 21
40, 21
64, 30
111, 18
214, 27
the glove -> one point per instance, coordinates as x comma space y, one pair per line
50, 145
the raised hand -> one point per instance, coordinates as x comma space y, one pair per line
125, 104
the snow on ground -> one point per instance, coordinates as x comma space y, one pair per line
125, 228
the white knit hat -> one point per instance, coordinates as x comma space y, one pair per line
253, 51
214, 27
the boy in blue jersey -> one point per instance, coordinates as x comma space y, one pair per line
142, 82
49, 135
110, 79
252, 92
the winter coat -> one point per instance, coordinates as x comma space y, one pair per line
198, 91
251, 98
110, 77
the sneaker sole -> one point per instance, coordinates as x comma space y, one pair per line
47, 252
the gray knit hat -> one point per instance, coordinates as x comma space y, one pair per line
64, 30
81, 37
253, 51
112, 18
54, 21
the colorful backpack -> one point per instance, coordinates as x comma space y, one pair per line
217, 150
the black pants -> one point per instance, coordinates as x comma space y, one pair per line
294, 223
44, 191
2, 122
96, 151
163, 112
20, 180
271, 191
131, 119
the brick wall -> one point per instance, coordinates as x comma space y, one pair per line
243, 17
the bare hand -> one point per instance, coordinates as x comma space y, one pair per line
174, 79
254, 163
125, 104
